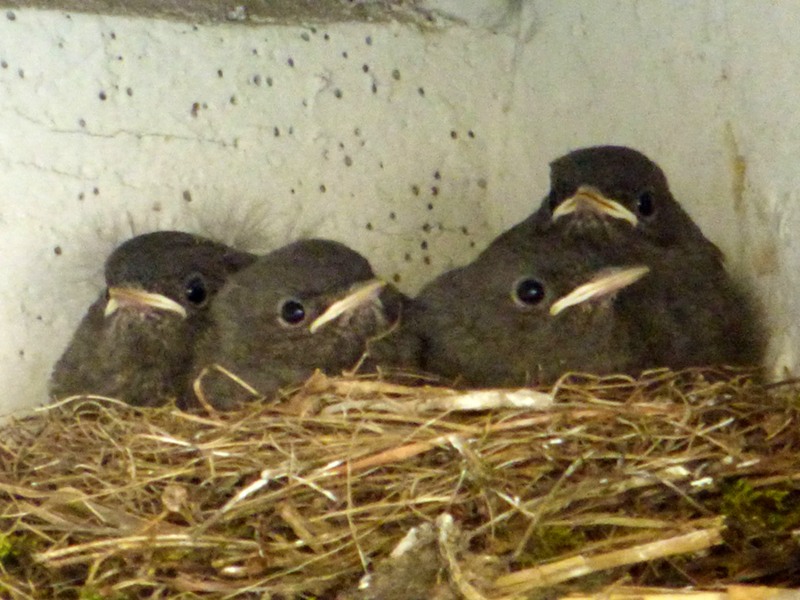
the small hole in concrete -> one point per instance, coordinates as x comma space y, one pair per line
471, 134
21, 73
81, 123
129, 91
276, 132
3, 64
102, 96
369, 226
96, 191
396, 277
322, 188
437, 175
454, 134
427, 228
57, 251
430, 206
374, 88
304, 36
11, 16
233, 100
368, 40
396, 74
421, 91
392, 216
365, 68
269, 81
344, 54
187, 195
415, 190
407, 257
435, 191
195, 109
426, 260
219, 73
257, 79
424, 245
348, 161
337, 92
290, 62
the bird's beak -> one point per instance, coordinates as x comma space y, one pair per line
602, 284
119, 297
588, 198
361, 295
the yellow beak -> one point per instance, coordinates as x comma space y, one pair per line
362, 294
607, 281
588, 198
119, 297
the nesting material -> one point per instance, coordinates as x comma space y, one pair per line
362, 489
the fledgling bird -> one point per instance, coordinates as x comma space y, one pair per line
313, 304
601, 197
614, 204
525, 313
137, 339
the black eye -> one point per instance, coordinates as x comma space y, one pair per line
195, 290
646, 204
292, 312
528, 292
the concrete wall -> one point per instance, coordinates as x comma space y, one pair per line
414, 143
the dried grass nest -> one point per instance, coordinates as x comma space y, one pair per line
636, 487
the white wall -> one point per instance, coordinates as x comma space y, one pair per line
708, 89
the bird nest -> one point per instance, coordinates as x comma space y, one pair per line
359, 489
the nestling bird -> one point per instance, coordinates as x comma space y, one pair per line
614, 204
601, 197
137, 339
525, 313
313, 304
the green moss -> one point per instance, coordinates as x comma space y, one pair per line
6, 547
553, 540
760, 510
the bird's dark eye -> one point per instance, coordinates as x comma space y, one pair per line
646, 204
195, 291
528, 292
292, 312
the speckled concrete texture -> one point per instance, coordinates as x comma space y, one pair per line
414, 144
244, 11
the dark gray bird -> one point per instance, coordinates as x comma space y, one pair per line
613, 204
314, 304
688, 313
137, 340
601, 197
525, 313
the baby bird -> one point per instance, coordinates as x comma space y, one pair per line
136, 342
313, 304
